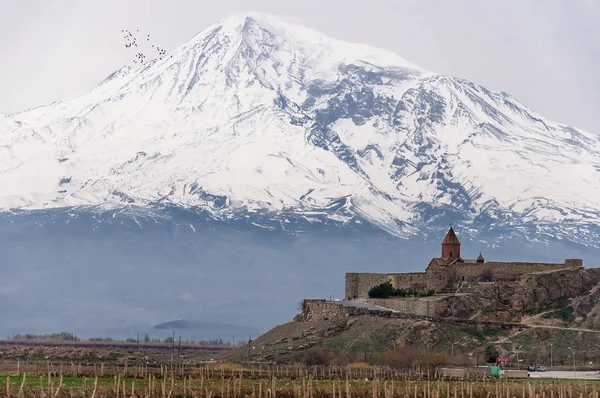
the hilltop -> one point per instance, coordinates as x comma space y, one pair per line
558, 308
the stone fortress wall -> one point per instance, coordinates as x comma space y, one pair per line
477, 303
445, 279
507, 271
322, 310
418, 306
415, 280
447, 273
359, 284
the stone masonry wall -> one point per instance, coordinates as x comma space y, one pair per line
412, 280
418, 306
438, 279
501, 271
442, 279
319, 310
359, 284
574, 262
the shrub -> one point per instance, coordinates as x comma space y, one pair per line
385, 290
491, 354
317, 357
473, 331
566, 314
359, 365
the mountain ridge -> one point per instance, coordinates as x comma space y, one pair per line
255, 114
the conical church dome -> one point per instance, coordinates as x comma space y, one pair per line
451, 238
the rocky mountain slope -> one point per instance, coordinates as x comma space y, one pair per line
256, 114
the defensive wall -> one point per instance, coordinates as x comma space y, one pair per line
446, 278
416, 280
359, 284
322, 310
439, 279
420, 306
506, 271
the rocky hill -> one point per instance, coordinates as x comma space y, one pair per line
559, 308
567, 297
371, 337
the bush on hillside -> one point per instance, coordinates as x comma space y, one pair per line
383, 290
386, 290
491, 354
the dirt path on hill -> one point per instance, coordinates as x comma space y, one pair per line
362, 303
561, 328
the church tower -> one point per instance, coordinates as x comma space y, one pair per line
450, 246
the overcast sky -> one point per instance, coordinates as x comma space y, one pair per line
544, 52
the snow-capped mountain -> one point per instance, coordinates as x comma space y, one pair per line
253, 166
257, 114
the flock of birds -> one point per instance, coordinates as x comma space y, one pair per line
131, 41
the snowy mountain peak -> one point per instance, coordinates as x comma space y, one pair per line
271, 32
259, 115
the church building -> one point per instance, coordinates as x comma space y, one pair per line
445, 274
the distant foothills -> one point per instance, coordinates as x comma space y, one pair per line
67, 337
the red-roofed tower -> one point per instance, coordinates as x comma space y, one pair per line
450, 246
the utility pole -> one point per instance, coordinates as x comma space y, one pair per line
516, 350
551, 368
179, 348
249, 344
452, 350
172, 347
573, 353
427, 356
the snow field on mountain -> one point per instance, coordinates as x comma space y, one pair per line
259, 114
